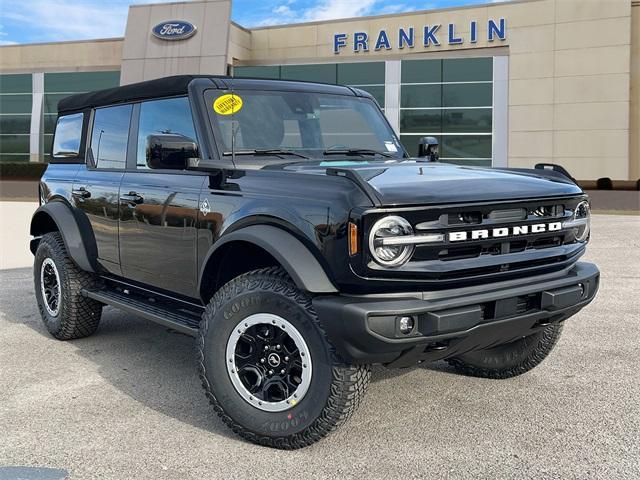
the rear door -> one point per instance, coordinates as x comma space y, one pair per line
96, 187
159, 208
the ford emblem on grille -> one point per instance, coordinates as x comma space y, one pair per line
174, 30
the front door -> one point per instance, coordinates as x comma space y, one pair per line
158, 208
96, 187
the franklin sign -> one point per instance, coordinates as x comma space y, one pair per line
174, 30
427, 36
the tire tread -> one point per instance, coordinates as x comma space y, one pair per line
349, 382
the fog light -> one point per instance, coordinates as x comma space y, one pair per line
406, 324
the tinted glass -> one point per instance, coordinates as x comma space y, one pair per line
417, 96
80, 81
365, 73
257, 72
15, 103
15, 83
14, 143
68, 135
15, 124
14, 157
467, 95
309, 73
51, 101
172, 115
50, 122
421, 121
467, 146
467, 69
477, 120
48, 144
109, 136
421, 71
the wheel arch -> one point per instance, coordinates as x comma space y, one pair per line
258, 246
76, 232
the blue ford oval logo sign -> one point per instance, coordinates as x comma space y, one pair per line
174, 30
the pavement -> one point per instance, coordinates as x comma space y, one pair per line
127, 403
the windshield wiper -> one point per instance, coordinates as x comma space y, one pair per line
268, 151
357, 151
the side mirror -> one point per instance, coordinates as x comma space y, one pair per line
170, 151
428, 148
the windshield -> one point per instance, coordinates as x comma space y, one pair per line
300, 125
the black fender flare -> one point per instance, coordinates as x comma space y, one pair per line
79, 242
291, 254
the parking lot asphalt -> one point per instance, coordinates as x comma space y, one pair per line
127, 402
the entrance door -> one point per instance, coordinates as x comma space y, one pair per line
158, 209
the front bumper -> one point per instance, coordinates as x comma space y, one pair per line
451, 322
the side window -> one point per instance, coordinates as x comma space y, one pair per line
68, 136
168, 116
109, 136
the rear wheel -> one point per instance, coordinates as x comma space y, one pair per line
511, 359
267, 366
65, 312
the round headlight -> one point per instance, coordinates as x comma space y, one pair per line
580, 221
383, 238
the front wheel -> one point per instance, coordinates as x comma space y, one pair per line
59, 282
510, 359
267, 366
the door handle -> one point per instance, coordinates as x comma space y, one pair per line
81, 192
132, 198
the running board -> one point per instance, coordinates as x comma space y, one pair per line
176, 320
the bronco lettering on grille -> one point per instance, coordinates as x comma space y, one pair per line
503, 232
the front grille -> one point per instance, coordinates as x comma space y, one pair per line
486, 255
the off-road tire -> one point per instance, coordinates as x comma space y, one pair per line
78, 316
511, 359
336, 387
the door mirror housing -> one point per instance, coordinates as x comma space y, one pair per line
428, 148
170, 151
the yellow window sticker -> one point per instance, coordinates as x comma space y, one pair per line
227, 104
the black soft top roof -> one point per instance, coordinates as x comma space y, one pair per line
178, 85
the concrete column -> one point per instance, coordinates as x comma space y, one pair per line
392, 78
500, 128
35, 134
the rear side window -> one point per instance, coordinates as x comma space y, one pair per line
66, 141
110, 136
167, 116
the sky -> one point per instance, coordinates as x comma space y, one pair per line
33, 21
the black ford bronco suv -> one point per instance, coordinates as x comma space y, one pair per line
284, 226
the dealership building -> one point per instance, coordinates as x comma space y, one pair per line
503, 84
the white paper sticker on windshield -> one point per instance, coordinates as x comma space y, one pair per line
391, 147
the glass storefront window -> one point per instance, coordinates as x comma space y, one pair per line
364, 73
14, 143
467, 95
368, 76
309, 73
15, 83
15, 103
12, 124
452, 100
467, 69
74, 82
422, 71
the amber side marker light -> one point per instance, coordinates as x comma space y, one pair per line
353, 239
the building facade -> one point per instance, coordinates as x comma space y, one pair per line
503, 84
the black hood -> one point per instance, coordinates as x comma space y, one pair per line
420, 183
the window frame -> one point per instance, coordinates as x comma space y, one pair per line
132, 155
90, 160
